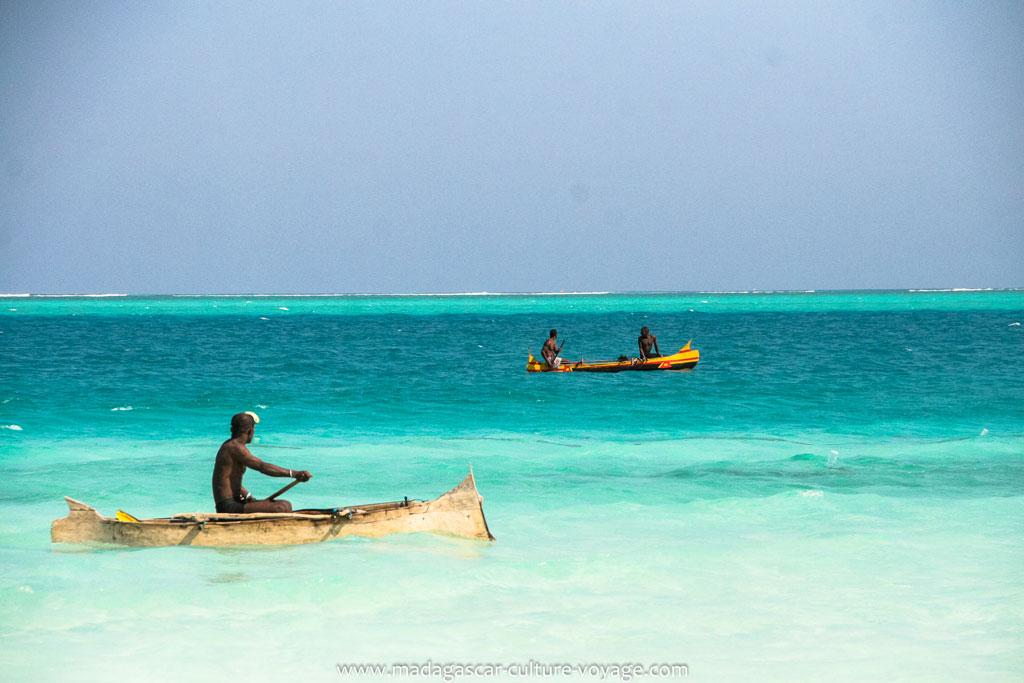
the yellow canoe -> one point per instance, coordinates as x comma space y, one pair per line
684, 359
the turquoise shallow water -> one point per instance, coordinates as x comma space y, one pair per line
837, 489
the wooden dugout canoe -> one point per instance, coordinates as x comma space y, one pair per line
458, 512
683, 359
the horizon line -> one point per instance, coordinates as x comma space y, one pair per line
920, 290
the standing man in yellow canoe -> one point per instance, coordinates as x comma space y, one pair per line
233, 459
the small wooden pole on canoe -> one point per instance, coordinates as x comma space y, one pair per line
283, 490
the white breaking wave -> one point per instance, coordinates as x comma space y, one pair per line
547, 294
444, 294
833, 458
13, 296
13, 428
121, 408
814, 493
956, 289
756, 291
382, 295
75, 296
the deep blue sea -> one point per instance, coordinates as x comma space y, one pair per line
837, 489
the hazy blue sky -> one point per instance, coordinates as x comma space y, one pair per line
450, 146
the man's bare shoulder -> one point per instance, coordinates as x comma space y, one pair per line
232, 449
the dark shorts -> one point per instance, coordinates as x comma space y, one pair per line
230, 505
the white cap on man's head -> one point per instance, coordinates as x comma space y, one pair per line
254, 416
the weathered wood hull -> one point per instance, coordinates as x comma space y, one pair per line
458, 512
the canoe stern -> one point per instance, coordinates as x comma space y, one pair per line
83, 524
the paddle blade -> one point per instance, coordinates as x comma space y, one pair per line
123, 516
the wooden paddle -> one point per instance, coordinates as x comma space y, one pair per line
272, 497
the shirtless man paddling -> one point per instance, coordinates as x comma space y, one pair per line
551, 350
233, 459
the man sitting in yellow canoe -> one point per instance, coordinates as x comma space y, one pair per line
233, 459
646, 341
551, 349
